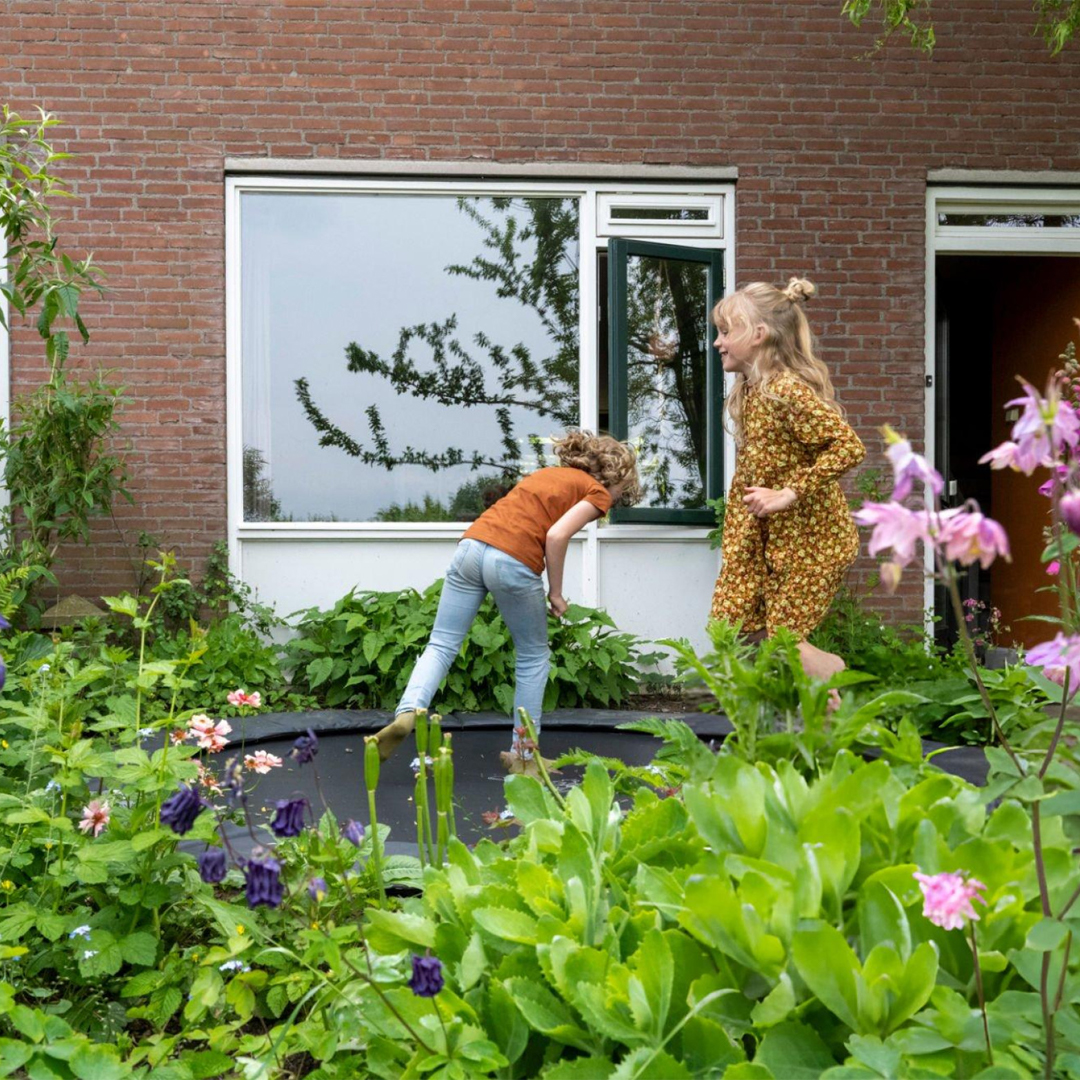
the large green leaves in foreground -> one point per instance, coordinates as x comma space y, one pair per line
764, 915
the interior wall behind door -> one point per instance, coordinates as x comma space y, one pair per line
1007, 316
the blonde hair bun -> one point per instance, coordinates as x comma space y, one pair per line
799, 290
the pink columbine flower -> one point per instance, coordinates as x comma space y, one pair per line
968, 536
242, 697
1056, 657
895, 527
261, 762
909, 467
1053, 567
210, 735
1001, 457
199, 724
95, 816
1046, 425
1060, 472
947, 898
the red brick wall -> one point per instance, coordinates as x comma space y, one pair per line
832, 152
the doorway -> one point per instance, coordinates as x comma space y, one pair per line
997, 317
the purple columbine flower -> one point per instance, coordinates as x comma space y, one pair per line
212, 865
317, 888
288, 818
263, 876
4, 624
427, 976
305, 748
353, 831
179, 811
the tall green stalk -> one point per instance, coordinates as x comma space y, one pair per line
371, 782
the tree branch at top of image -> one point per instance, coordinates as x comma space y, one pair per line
1056, 20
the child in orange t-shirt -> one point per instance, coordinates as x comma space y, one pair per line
504, 552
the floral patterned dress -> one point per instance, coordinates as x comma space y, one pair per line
784, 570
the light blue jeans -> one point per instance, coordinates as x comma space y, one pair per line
478, 569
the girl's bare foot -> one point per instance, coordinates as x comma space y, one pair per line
395, 733
819, 664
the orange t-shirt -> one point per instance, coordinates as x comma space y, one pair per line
518, 523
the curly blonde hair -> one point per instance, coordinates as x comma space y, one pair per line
606, 460
789, 345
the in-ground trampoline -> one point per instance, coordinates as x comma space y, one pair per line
478, 739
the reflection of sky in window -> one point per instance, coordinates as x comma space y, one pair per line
321, 271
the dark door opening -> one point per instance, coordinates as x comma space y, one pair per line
998, 317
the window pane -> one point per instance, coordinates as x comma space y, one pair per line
390, 343
660, 213
1012, 221
667, 356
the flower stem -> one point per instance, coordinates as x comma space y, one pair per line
982, 996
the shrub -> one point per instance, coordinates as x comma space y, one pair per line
359, 654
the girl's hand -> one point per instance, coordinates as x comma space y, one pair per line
557, 605
762, 501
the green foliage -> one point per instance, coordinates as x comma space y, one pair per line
896, 15
1056, 20
56, 469
763, 925
779, 713
867, 643
359, 654
230, 654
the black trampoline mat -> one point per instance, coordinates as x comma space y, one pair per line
478, 779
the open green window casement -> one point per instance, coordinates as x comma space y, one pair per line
666, 381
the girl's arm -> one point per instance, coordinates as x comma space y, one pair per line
824, 431
558, 540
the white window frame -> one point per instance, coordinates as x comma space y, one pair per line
590, 241
712, 226
983, 240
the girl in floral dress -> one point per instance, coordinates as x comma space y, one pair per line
788, 533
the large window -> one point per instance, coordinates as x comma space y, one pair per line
403, 357
404, 352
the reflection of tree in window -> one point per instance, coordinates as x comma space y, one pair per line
259, 501
530, 255
666, 377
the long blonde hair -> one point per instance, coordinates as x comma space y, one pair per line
789, 345
604, 458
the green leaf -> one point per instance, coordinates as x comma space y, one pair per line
139, 948
645, 1064
795, 1052
414, 929
13, 1055
209, 1063
96, 1061
776, 1006
544, 1012
829, 968
582, 1068
528, 800
505, 924
1046, 935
